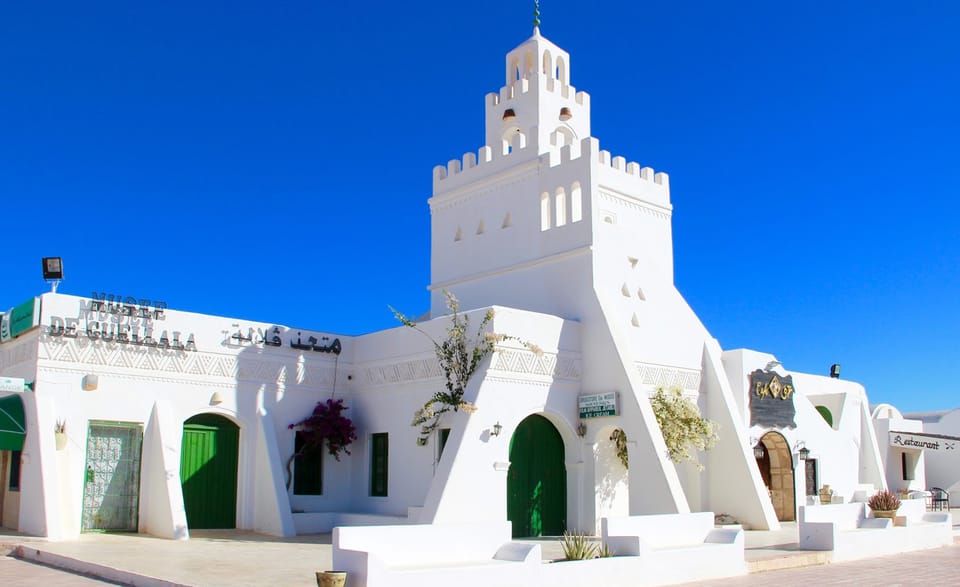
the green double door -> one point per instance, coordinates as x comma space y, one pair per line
537, 480
208, 471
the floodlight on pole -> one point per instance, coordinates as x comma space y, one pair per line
53, 271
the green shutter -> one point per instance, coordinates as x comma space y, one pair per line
379, 461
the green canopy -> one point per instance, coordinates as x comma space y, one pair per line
12, 428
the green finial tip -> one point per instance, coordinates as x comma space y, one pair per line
536, 14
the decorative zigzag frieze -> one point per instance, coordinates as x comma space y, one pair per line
15, 354
401, 372
183, 365
667, 376
530, 363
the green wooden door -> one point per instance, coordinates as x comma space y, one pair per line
537, 480
208, 471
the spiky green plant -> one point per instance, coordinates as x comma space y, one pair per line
577, 547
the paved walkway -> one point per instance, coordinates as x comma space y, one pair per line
213, 558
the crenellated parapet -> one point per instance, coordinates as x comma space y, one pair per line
613, 172
547, 84
523, 146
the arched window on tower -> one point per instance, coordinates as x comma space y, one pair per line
547, 63
562, 70
513, 71
545, 211
529, 64
576, 202
561, 207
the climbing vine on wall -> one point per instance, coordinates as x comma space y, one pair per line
459, 355
619, 439
684, 429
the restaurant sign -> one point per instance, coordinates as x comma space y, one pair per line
936, 442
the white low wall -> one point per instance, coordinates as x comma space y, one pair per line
850, 532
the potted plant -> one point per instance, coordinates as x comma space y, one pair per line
884, 504
826, 494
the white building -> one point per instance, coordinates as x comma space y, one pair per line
177, 420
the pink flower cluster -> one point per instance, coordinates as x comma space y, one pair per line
328, 424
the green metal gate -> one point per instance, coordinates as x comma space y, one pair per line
537, 480
111, 488
208, 471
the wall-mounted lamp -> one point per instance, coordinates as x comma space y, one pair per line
802, 451
90, 382
216, 399
581, 429
496, 429
759, 451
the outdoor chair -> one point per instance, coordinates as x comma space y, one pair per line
939, 499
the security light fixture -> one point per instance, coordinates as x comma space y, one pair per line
835, 370
53, 271
496, 429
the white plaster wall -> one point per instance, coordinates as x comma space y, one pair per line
285, 383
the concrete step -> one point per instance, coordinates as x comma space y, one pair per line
790, 561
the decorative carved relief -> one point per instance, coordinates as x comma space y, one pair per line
398, 372
634, 205
667, 376
510, 361
184, 365
14, 354
528, 363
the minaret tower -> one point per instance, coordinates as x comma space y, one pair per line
540, 216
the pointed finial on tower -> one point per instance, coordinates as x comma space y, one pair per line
536, 16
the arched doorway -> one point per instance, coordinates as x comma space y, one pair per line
208, 471
537, 480
776, 468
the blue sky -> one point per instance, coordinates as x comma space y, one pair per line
272, 161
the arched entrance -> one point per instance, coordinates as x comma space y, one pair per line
776, 468
208, 471
537, 480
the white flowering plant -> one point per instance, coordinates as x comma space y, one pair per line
681, 424
459, 355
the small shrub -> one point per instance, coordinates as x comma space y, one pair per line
884, 501
577, 547
605, 552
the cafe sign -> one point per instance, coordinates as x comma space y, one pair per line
598, 405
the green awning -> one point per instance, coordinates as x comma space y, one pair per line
12, 428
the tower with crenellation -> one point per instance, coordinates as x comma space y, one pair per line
542, 218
